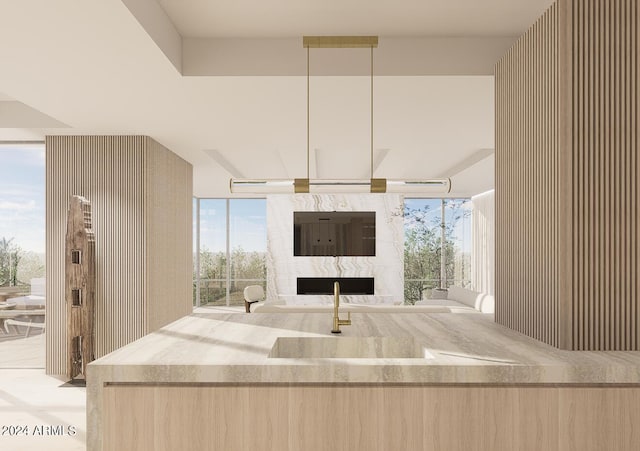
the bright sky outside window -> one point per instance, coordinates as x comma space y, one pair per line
22, 196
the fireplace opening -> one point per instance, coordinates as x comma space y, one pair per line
324, 285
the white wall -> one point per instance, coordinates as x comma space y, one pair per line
483, 238
387, 267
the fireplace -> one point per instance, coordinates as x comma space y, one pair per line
324, 285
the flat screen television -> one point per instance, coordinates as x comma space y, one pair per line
334, 233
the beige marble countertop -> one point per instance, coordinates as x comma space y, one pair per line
238, 348
461, 348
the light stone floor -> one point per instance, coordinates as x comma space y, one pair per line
39, 412
19, 352
36, 408
220, 309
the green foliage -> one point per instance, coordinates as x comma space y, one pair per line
18, 267
213, 265
10, 255
248, 265
423, 248
31, 266
213, 274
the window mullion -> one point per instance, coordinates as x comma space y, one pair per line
228, 296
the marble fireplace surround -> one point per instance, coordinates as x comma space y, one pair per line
386, 267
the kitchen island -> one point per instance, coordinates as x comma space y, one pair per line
410, 381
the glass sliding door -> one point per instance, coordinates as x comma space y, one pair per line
212, 254
458, 233
437, 246
422, 248
248, 243
230, 239
195, 233
22, 255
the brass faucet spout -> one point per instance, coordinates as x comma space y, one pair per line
337, 322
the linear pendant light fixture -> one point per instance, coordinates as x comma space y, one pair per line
307, 185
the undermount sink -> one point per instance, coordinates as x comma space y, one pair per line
348, 348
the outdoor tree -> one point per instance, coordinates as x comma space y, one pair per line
423, 247
10, 255
213, 272
31, 266
249, 267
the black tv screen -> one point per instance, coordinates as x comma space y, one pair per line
335, 233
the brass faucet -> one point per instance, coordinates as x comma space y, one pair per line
337, 322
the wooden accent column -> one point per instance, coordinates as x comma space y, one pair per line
567, 168
80, 286
141, 202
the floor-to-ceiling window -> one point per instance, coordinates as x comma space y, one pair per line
437, 246
22, 255
248, 246
229, 249
211, 257
458, 238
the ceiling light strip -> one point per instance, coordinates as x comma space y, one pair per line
290, 186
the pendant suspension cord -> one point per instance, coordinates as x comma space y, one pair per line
372, 112
307, 113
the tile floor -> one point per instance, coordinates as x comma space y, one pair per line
219, 309
40, 412
37, 412
16, 351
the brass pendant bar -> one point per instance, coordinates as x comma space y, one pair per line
339, 42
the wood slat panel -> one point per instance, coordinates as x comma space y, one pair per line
566, 178
115, 173
605, 177
527, 198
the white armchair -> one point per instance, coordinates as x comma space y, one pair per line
252, 294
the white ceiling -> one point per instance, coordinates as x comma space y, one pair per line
99, 69
285, 18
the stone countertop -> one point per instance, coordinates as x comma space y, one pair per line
235, 348
461, 348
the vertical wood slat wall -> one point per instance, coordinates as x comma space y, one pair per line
124, 177
527, 201
605, 164
571, 263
